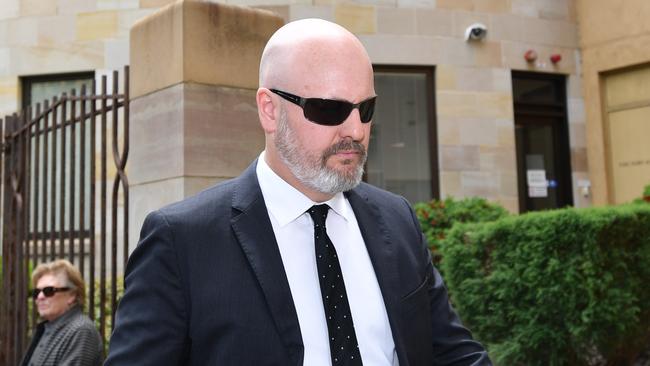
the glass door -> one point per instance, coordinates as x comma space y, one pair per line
542, 141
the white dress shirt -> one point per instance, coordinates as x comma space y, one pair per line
294, 232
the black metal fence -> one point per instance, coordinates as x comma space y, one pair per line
56, 203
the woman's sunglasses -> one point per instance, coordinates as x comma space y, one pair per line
48, 291
329, 112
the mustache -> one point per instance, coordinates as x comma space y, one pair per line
345, 145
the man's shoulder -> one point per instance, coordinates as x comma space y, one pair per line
216, 198
202, 208
389, 205
378, 196
215, 195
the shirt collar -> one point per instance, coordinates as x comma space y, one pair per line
285, 202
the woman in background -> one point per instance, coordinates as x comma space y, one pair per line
66, 336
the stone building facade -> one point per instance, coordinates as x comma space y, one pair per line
468, 89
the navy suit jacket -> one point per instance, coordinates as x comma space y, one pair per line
206, 285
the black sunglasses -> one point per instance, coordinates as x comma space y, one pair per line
329, 112
48, 291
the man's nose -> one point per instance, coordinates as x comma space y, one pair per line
352, 127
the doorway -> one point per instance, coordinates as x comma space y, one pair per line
542, 141
627, 127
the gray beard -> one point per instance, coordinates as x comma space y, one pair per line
312, 171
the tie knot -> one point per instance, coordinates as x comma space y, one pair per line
318, 213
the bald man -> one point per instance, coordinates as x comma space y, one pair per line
296, 261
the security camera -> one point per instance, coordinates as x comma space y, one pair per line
476, 31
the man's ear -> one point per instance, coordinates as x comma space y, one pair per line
267, 111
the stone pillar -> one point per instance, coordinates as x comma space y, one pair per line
194, 74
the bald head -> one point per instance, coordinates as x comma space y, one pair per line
308, 49
314, 58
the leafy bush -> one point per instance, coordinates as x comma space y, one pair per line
564, 287
437, 217
645, 196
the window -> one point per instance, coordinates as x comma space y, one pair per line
54, 160
36, 89
402, 157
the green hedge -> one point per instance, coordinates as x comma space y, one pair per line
645, 196
437, 217
564, 287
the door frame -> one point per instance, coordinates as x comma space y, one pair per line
557, 109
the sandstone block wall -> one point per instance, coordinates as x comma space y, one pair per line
473, 103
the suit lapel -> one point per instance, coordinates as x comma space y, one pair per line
252, 226
382, 252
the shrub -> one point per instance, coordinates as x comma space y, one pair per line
564, 287
645, 196
437, 217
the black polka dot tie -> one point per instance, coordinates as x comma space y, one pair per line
344, 348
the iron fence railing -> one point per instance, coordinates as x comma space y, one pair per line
57, 168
